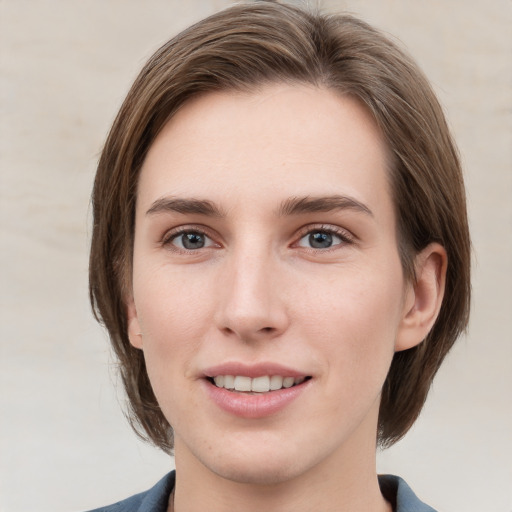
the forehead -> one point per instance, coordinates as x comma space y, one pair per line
283, 139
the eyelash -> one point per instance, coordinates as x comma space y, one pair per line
345, 237
172, 235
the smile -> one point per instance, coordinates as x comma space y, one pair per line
263, 384
255, 391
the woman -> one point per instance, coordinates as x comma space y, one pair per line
281, 257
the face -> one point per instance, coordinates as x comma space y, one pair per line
268, 294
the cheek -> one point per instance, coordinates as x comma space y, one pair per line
356, 318
174, 316
170, 304
171, 339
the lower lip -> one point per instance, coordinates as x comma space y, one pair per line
246, 405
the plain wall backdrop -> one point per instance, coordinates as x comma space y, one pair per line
65, 67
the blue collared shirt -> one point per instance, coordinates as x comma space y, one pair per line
394, 489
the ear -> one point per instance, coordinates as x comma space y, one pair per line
134, 331
423, 297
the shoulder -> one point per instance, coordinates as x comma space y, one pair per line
400, 495
153, 500
394, 489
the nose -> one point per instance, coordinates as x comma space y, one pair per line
252, 304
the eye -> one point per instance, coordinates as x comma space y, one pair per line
190, 240
321, 239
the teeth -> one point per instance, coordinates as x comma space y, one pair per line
242, 383
288, 382
262, 384
276, 382
229, 382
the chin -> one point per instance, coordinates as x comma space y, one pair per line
258, 473
258, 464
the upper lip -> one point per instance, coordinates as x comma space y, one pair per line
252, 370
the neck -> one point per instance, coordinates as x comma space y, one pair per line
345, 481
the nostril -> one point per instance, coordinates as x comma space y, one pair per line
249, 331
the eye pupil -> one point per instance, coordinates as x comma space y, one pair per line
320, 240
192, 240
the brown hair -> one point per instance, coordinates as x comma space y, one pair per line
239, 49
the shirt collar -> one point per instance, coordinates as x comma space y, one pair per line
393, 488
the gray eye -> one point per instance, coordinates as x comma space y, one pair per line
191, 240
320, 240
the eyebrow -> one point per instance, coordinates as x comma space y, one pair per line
291, 206
185, 206
308, 204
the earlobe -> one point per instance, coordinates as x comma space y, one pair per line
423, 298
134, 332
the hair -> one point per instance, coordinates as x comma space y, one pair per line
240, 49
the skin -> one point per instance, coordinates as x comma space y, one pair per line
257, 291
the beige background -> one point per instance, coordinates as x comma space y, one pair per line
65, 67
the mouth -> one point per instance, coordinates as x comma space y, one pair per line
255, 391
257, 385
